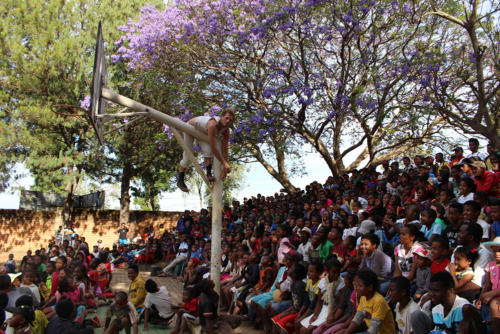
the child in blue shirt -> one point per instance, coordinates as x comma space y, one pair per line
430, 227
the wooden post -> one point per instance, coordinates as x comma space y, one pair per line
216, 244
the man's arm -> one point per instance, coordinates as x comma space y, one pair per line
146, 319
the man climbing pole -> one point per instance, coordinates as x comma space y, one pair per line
216, 126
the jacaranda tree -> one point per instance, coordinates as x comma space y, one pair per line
341, 77
465, 88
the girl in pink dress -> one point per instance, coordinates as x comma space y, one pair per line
490, 294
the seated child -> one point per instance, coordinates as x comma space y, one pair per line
373, 312
67, 289
192, 275
266, 280
68, 319
399, 294
45, 285
328, 290
313, 294
342, 309
82, 283
490, 295
351, 259
39, 324
157, 305
20, 320
423, 272
285, 320
187, 312
98, 286
440, 250
430, 227
124, 314
27, 281
462, 272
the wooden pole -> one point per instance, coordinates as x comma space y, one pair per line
216, 244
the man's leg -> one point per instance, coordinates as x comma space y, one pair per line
184, 164
207, 154
178, 259
208, 165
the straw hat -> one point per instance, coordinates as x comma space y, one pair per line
490, 244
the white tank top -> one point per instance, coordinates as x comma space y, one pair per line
200, 123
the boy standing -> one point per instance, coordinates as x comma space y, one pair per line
11, 264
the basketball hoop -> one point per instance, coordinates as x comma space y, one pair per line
68, 110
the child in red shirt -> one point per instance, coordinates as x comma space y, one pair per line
440, 251
351, 258
187, 311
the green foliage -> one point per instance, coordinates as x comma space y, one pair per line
46, 52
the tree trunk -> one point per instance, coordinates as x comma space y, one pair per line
336, 167
280, 176
67, 210
125, 194
495, 140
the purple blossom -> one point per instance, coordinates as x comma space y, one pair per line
268, 92
472, 57
360, 102
85, 103
347, 18
257, 119
365, 9
214, 110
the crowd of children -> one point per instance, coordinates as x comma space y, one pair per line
410, 248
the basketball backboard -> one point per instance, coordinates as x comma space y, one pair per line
99, 78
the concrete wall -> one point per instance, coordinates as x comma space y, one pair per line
21, 230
